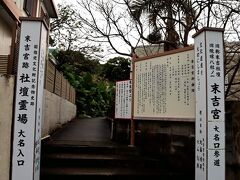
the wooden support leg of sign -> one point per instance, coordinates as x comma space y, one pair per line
132, 125
132, 133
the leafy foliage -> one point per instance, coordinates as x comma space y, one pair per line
93, 98
164, 18
80, 62
94, 82
64, 29
117, 68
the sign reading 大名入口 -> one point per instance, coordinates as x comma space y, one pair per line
29, 100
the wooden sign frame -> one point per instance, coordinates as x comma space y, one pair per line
166, 60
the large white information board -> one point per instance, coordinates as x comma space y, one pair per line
210, 109
123, 99
29, 101
164, 86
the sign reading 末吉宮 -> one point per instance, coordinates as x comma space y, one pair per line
210, 108
29, 101
123, 99
164, 86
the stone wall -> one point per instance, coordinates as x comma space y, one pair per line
178, 138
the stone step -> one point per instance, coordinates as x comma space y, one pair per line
88, 148
108, 173
73, 161
101, 160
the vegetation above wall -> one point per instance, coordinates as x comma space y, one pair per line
94, 82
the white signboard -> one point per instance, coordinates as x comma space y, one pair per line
29, 98
164, 86
123, 100
210, 109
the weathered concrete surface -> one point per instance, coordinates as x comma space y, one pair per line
58, 111
6, 103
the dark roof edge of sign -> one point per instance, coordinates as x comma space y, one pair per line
11, 9
207, 29
163, 53
35, 19
51, 8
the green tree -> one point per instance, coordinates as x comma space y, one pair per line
163, 17
146, 22
80, 62
94, 94
93, 97
116, 69
64, 29
138, 22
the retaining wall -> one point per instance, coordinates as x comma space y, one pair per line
57, 112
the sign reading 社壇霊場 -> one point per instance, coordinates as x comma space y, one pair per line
29, 100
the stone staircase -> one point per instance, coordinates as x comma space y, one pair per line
63, 161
